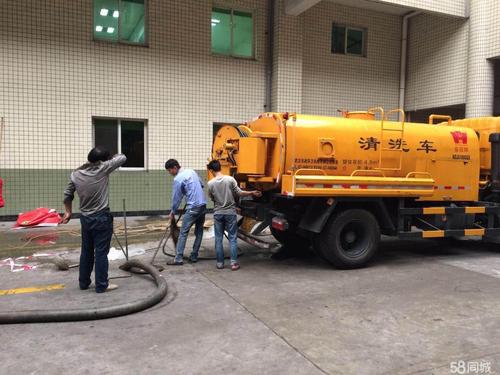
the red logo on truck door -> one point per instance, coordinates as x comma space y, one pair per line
459, 137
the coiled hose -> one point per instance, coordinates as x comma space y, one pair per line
75, 315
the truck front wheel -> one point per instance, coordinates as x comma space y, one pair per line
350, 239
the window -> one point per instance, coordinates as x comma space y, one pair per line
122, 136
232, 32
120, 21
348, 40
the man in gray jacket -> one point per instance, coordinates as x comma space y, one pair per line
224, 191
91, 182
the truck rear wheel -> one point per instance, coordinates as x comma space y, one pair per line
350, 239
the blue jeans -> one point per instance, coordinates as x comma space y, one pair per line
97, 230
229, 224
193, 215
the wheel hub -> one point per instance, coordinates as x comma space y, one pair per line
350, 237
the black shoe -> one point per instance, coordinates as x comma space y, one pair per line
174, 263
85, 287
190, 260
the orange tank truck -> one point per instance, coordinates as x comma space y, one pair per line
338, 183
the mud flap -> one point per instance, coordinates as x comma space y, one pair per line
316, 215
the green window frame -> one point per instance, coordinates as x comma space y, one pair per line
120, 21
232, 33
347, 40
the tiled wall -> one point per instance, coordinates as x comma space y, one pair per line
480, 72
287, 60
494, 29
54, 78
334, 81
437, 62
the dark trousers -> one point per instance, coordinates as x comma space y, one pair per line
97, 230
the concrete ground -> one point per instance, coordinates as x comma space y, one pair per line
419, 307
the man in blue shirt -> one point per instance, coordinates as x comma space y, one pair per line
187, 184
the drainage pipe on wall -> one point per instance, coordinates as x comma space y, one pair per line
403, 63
269, 55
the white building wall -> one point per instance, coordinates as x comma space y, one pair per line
458, 8
54, 78
287, 60
437, 62
480, 72
494, 29
335, 81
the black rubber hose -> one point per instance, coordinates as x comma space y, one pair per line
75, 315
240, 253
175, 242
